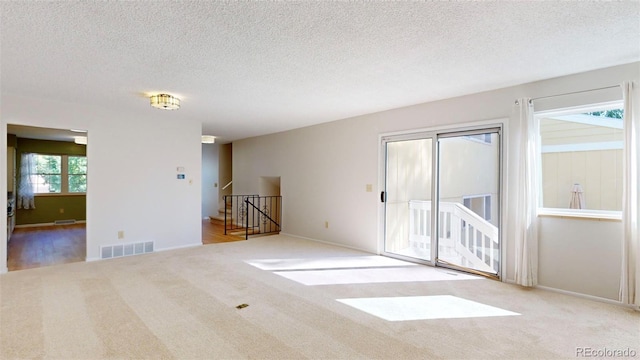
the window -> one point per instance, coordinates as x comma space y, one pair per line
77, 174
479, 204
48, 178
60, 174
581, 158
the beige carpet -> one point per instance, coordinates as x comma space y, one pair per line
182, 305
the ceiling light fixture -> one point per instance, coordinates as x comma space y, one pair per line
82, 140
208, 139
165, 101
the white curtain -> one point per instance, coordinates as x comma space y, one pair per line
526, 206
25, 185
630, 279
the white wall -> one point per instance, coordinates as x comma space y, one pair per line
325, 168
579, 255
132, 184
210, 185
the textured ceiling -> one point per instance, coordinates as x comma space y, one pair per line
251, 68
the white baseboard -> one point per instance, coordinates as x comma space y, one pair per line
178, 247
329, 243
154, 251
583, 296
47, 224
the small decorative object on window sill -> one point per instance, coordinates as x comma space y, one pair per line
165, 101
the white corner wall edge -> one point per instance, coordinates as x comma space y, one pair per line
329, 243
4, 270
154, 251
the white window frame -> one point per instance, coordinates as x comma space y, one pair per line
35, 190
64, 174
487, 202
573, 213
65, 182
484, 140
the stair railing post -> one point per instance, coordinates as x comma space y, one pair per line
246, 228
225, 214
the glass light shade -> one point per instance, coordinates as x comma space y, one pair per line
165, 101
208, 139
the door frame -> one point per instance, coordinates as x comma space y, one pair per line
408, 136
4, 246
502, 124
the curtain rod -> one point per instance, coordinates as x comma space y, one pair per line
575, 92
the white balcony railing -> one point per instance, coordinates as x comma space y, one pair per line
464, 238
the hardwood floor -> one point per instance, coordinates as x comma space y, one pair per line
34, 247
213, 232
40, 246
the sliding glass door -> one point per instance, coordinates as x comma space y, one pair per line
468, 201
407, 197
441, 199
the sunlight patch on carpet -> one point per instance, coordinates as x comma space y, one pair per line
340, 262
377, 275
424, 308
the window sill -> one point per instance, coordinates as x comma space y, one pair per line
581, 214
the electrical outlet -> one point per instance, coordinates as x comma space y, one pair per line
326, 224
61, 211
121, 234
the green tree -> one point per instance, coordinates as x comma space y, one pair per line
49, 168
77, 174
613, 113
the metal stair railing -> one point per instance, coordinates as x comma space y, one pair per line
262, 215
253, 214
235, 211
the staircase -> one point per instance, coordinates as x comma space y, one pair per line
220, 216
224, 212
250, 215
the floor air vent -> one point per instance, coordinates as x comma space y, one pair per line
114, 251
64, 222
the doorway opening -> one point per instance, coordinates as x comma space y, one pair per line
46, 196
